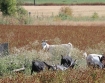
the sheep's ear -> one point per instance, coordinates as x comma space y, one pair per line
99, 58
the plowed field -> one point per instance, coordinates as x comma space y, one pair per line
79, 36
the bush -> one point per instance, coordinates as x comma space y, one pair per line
65, 12
21, 11
1, 69
95, 15
22, 15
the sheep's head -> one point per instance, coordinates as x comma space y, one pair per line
102, 60
44, 44
73, 63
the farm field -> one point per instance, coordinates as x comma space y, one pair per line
80, 36
84, 38
25, 43
49, 15
77, 10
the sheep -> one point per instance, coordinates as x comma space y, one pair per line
38, 66
59, 67
93, 59
63, 49
67, 61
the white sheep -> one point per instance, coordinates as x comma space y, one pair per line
93, 59
63, 49
59, 67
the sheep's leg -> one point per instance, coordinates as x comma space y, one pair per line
31, 71
94, 66
88, 64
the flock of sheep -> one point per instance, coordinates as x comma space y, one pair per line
67, 61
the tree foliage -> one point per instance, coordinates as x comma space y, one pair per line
8, 7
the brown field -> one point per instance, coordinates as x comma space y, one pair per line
77, 10
80, 36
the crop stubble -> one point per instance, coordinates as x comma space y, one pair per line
77, 10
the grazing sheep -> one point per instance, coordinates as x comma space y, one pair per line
94, 60
59, 67
67, 61
38, 66
64, 49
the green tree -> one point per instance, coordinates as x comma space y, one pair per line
8, 7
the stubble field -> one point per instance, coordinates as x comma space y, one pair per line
77, 10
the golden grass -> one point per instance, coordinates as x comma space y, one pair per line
77, 10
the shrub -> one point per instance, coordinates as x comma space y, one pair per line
95, 15
65, 12
21, 11
1, 69
22, 15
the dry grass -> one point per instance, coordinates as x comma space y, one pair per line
77, 10
69, 76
